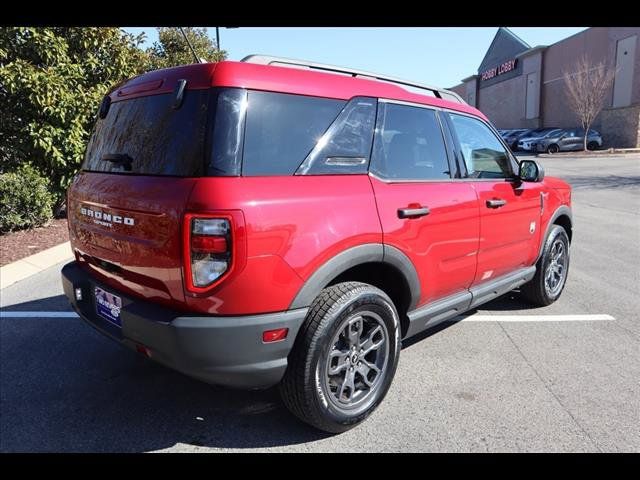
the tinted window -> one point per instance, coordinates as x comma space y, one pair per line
409, 144
228, 107
281, 130
158, 139
482, 152
346, 145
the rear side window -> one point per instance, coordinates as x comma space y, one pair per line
282, 129
409, 144
345, 146
482, 152
146, 135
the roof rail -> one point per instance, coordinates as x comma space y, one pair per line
289, 62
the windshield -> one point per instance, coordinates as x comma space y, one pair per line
552, 133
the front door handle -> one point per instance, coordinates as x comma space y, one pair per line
413, 212
496, 203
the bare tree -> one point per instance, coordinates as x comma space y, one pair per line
587, 85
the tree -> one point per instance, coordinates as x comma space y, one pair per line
586, 86
171, 49
51, 83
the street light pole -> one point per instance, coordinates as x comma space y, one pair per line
218, 38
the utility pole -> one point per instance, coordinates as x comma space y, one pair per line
218, 38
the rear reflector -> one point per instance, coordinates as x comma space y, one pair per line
143, 350
274, 335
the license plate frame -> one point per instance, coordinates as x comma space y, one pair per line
108, 306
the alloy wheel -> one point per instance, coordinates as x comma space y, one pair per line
357, 359
556, 271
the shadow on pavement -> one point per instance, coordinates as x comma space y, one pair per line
66, 388
511, 301
602, 181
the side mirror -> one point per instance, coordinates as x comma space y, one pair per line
531, 171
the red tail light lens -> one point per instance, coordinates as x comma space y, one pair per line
207, 244
208, 241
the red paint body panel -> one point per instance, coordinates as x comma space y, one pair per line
276, 79
442, 245
308, 82
506, 240
294, 224
198, 76
146, 257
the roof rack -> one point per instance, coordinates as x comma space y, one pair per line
289, 62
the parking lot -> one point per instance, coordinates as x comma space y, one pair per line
476, 385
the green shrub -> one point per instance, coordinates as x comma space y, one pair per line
25, 199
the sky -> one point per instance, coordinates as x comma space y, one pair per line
437, 56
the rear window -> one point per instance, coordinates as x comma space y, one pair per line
282, 129
146, 135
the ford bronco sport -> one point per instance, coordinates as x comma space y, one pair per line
278, 222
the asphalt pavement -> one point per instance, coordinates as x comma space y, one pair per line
469, 386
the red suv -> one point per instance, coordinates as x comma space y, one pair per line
273, 221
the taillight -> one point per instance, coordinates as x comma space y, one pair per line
208, 252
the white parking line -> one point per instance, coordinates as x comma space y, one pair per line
536, 318
472, 318
38, 314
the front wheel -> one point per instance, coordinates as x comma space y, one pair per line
551, 270
553, 148
592, 146
344, 358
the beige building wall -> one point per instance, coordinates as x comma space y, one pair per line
503, 102
601, 45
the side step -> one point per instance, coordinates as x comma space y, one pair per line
449, 307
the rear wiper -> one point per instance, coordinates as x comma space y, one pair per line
121, 158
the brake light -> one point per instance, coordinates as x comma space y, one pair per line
208, 252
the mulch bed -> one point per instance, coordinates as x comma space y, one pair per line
17, 245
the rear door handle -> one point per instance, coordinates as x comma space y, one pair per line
496, 203
413, 212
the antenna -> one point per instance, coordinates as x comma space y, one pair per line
198, 60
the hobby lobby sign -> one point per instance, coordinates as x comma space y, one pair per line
505, 67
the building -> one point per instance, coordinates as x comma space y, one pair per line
519, 86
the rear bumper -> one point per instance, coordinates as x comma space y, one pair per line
219, 350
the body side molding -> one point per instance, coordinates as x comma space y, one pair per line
360, 254
400, 261
561, 210
449, 307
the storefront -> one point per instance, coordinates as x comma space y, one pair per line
519, 86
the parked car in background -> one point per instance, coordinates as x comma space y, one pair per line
534, 137
569, 139
512, 136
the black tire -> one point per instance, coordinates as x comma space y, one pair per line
592, 146
536, 290
306, 388
553, 148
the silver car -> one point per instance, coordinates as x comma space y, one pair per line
566, 140
529, 141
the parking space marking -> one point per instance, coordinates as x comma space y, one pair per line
9, 314
472, 318
537, 318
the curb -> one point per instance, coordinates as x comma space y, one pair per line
25, 267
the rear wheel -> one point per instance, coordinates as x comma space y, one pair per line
592, 146
551, 270
344, 358
553, 148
